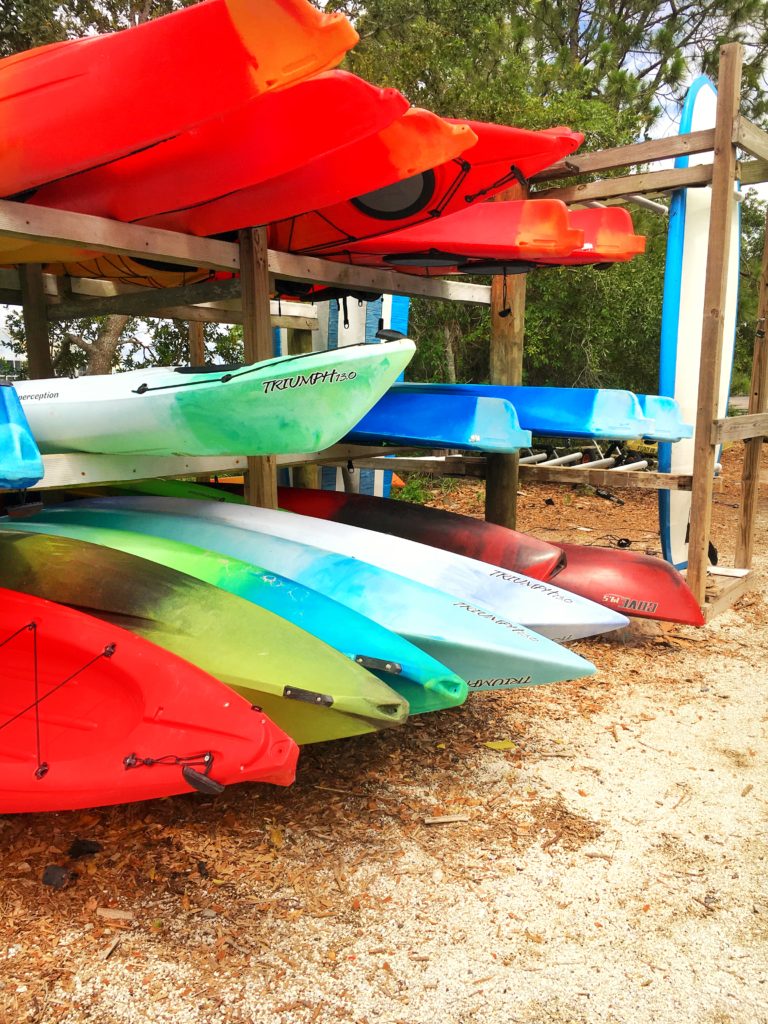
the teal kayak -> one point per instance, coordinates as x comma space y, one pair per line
423, 682
480, 645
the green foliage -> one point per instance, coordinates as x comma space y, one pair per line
28, 23
753, 215
416, 489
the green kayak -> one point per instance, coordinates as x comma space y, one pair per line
421, 680
311, 691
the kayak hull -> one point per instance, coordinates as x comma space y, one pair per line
271, 663
634, 584
423, 682
429, 420
480, 645
125, 699
293, 404
203, 59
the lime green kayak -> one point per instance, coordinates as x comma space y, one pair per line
421, 680
311, 691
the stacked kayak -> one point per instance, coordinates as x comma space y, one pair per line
21, 464
536, 605
92, 714
435, 420
545, 411
481, 645
632, 583
503, 237
309, 690
291, 404
422, 681
178, 71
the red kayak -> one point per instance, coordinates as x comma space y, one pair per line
631, 583
91, 714
502, 237
505, 232
501, 156
74, 105
236, 151
609, 237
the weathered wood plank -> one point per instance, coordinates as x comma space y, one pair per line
740, 428
626, 156
749, 137
146, 302
261, 479
39, 224
715, 290
630, 184
758, 403
726, 597
753, 172
506, 367
39, 361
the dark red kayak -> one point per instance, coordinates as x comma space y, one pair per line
631, 583
91, 714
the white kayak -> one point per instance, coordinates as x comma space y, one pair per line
536, 604
291, 404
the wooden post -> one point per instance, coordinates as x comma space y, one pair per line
261, 478
715, 287
39, 362
758, 402
507, 333
196, 342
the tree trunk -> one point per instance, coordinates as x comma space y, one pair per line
451, 334
102, 352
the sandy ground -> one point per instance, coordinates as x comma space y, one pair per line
606, 861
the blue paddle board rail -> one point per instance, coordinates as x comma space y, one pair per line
21, 464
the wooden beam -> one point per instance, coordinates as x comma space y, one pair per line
82, 231
626, 156
725, 598
740, 428
758, 403
197, 351
467, 465
506, 367
39, 361
749, 137
753, 172
715, 290
261, 479
292, 267
630, 184
147, 301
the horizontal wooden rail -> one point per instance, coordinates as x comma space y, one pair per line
749, 137
630, 184
475, 466
740, 428
722, 600
627, 156
84, 232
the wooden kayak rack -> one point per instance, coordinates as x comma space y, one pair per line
246, 300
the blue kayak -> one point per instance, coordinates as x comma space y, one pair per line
430, 419
421, 680
667, 417
557, 412
21, 464
482, 647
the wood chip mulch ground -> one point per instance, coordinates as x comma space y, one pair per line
586, 852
